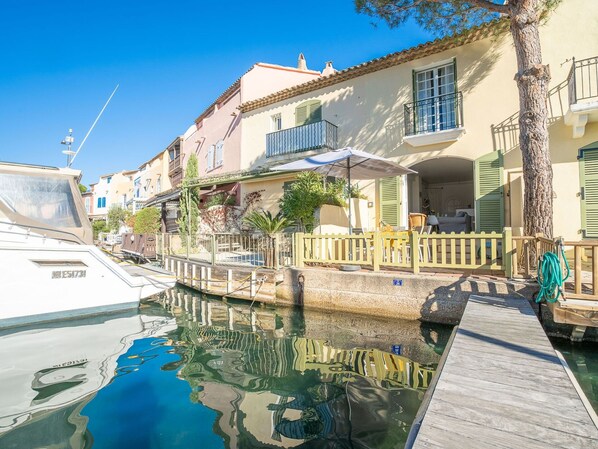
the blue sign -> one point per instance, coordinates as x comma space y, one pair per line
396, 349
397, 282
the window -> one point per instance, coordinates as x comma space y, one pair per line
108, 179
276, 122
210, 158
308, 112
159, 184
87, 205
46, 200
219, 156
99, 202
436, 99
137, 187
104, 201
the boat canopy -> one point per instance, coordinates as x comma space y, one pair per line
45, 199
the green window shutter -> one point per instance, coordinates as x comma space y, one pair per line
301, 115
315, 112
308, 112
588, 172
390, 200
489, 201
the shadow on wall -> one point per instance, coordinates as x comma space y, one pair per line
371, 118
505, 135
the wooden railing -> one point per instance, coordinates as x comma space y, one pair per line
140, 245
584, 270
410, 250
526, 251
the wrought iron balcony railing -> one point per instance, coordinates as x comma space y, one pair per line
583, 80
313, 136
434, 114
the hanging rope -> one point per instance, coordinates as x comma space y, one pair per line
550, 275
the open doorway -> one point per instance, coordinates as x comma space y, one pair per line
444, 188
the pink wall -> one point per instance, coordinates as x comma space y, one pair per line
224, 123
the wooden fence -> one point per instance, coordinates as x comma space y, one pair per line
584, 270
411, 250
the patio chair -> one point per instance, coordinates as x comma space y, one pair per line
417, 220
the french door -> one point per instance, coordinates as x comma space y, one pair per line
436, 98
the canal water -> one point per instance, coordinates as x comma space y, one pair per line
187, 371
582, 358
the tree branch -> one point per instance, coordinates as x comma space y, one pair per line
491, 6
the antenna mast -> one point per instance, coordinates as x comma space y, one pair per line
70, 159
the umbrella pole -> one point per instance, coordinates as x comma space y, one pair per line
349, 194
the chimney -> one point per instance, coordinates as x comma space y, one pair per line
301, 64
328, 70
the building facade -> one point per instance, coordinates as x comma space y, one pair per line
112, 189
447, 109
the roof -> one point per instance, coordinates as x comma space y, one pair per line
436, 46
162, 197
152, 159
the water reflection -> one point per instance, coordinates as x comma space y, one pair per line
274, 386
190, 370
50, 372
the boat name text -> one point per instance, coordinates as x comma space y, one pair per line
68, 274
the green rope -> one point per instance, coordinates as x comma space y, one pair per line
550, 276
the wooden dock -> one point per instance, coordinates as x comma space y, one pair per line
503, 386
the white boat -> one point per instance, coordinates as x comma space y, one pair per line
52, 371
49, 267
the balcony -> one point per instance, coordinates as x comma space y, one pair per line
583, 95
434, 120
175, 171
314, 136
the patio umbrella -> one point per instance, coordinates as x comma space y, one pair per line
347, 163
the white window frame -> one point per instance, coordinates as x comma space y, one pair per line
276, 122
436, 114
210, 158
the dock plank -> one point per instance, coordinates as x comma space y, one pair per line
503, 386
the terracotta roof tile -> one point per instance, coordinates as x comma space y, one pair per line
436, 46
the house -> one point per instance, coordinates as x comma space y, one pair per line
151, 179
112, 189
448, 109
88, 202
215, 136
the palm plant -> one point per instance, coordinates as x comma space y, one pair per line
270, 225
267, 223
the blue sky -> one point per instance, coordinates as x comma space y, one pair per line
62, 58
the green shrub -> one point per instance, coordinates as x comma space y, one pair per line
98, 226
147, 221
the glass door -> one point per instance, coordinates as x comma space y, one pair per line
435, 99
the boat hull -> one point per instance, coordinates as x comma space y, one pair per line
52, 282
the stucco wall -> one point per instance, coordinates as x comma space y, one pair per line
369, 110
263, 79
222, 124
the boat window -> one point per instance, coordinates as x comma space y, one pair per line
44, 199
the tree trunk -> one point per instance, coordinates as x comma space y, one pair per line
532, 80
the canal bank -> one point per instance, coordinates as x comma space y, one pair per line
428, 296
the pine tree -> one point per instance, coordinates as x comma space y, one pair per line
444, 17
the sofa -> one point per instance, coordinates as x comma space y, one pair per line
459, 223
